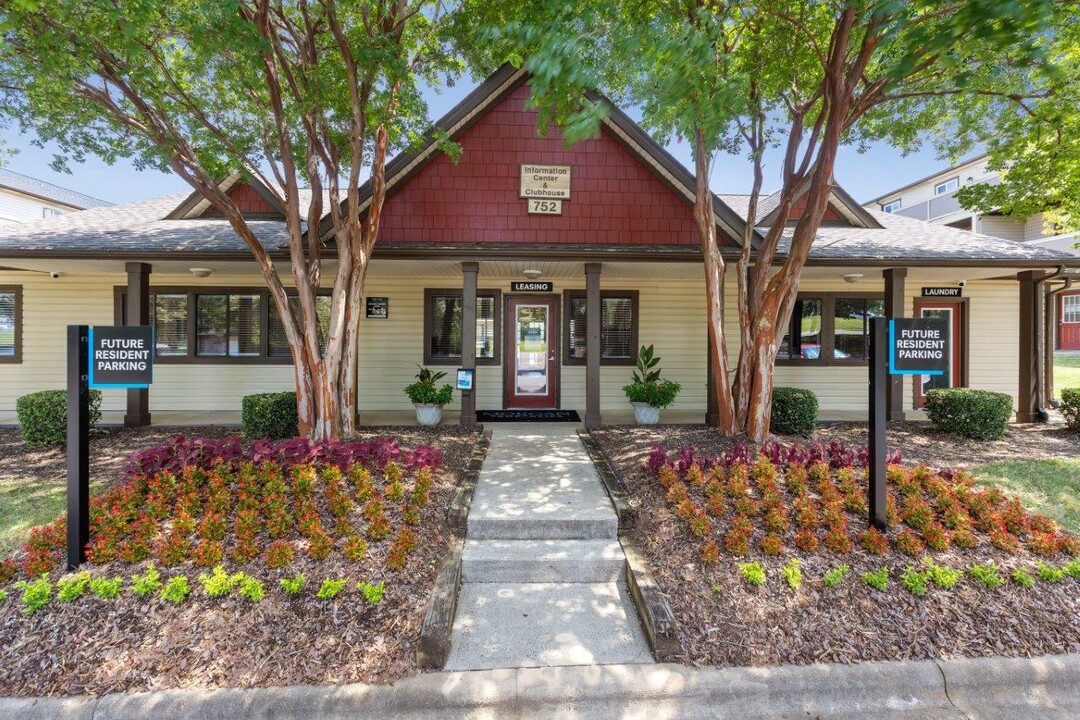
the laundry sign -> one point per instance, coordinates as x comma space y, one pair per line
919, 346
942, 292
546, 182
121, 356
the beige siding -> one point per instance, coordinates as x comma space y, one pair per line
1033, 228
18, 207
1001, 227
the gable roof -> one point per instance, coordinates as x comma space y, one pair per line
47, 191
496, 88
195, 205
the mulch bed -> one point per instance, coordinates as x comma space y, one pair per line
131, 644
725, 621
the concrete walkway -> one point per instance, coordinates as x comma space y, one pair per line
1047, 688
542, 569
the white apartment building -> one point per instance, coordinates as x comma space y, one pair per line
23, 199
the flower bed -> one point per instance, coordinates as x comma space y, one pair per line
215, 561
766, 557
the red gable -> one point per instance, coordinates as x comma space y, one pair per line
614, 198
249, 201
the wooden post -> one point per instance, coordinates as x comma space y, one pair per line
137, 312
894, 308
469, 271
592, 345
1027, 394
78, 444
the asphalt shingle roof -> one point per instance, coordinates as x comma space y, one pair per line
40, 188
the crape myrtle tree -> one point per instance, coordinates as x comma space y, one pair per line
756, 76
304, 96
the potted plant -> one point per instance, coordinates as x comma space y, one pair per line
427, 398
649, 392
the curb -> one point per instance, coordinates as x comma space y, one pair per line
1005, 688
457, 514
653, 610
615, 487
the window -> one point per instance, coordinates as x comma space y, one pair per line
947, 187
891, 207
443, 327
10, 324
219, 325
618, 327
830, 329
1070, 310
48, 212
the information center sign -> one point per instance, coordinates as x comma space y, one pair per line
121, 357
918, 346
545, 182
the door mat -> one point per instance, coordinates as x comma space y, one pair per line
484, 416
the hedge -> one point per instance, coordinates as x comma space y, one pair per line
794, 411
43, 416
1070, 407
977, 414
269, 415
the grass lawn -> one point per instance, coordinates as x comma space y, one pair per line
1048, 487
26, 503
1066, 371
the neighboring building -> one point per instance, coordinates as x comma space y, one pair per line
623, 238
25, 199
933, 199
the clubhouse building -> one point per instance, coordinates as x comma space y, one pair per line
523, 240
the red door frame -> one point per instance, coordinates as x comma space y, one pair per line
549, 400
1068, 334
958, 341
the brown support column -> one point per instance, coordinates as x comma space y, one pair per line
1027, 408
894, 308
469, 272
592, 345
137, 312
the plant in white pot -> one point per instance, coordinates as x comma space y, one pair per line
427, 397
649, 392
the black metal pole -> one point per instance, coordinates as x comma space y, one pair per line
78, 445
878, 388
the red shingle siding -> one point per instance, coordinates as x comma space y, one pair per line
799, 205
248, 200
614, 198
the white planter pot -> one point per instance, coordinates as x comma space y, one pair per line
645, 414
428, 414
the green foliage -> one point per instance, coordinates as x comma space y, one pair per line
987, 573
648, 387
835, 576
944, 577
878, 579
70, 589
373, 593
176, 590
269, 415
915, 581
329, 589
252, 589
752, 573
1072, 568
148, 583
425, 390
36, 594
794, 411
106, 588
292, 586
3, 595
1070, 407
219, 583
792, 574
1023, 578
977, 414
43, 416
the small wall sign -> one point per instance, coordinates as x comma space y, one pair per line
466, 378
121, 356
532, 286
545, 181
545, 207
942, 292
378, 307
918, 346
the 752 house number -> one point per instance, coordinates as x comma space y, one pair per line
545, 207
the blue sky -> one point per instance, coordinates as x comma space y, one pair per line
864, 175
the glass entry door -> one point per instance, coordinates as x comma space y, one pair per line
532, 355
954, 376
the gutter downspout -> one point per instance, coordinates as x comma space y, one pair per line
1049, 313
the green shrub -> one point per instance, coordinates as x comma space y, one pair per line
219, 583
794, 411
176, 590
977, 414
36, 594
329, 589
836, 575
292, 586
879, 579
1022, 578
251, 588
426, 391
944, 577
792, 574
43, 416
372, 593
987, 573
915, 581
106, 588
1049, 573
70, 589
1070, 407
148, 583
269, 415
753, 573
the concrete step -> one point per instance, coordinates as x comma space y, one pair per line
603, 527
542, 561
514, 625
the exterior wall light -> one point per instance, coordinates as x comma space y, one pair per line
532, 273
201, 272
852, 277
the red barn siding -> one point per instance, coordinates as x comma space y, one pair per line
615, 199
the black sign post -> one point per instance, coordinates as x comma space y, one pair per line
878, 385
78, 445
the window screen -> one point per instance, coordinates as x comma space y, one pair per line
8, 318
170, 324
228, 325
803, 339
278, 344
617, 317
1070, 309
444, 326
